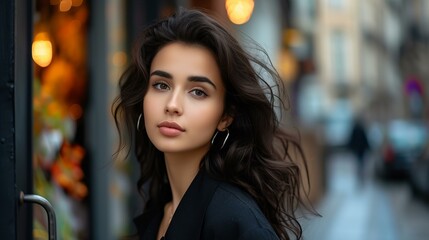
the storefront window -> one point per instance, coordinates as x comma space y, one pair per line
59, 52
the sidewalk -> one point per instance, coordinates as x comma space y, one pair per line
351, 211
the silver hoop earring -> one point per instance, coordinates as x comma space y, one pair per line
224, 141
138, 122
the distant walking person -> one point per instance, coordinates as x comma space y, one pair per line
358, 145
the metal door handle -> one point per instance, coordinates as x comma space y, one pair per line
32, 198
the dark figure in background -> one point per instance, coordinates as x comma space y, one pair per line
359, 145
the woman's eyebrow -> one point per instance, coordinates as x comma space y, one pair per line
162, 74
201, 79
167, 75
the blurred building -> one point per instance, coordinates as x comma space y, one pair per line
358, 48
413, 57
382, 35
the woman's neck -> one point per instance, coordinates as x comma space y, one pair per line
181, 170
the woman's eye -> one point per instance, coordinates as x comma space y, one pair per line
198, 93
160, 86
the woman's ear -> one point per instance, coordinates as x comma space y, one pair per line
224, 122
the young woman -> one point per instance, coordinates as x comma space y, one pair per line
196, 111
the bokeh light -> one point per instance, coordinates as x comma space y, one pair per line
42, 49
239, 11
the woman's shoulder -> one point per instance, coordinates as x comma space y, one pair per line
232, 196
234, 214
231, 201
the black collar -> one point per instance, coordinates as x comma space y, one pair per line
188, 218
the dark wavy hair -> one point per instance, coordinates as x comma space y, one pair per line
260, 156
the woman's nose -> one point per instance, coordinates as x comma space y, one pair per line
174, 104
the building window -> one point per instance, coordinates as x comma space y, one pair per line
339, 58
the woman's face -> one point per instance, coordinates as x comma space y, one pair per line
184, 102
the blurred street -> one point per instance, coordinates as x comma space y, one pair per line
373, 210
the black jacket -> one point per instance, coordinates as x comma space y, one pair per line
210, 210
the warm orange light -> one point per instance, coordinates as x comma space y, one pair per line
288, 65
65, 5
42, 50
292, 37
77, 3
239, 11
119, 59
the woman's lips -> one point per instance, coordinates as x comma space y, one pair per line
170, 129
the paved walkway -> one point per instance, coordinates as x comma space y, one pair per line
369, 211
